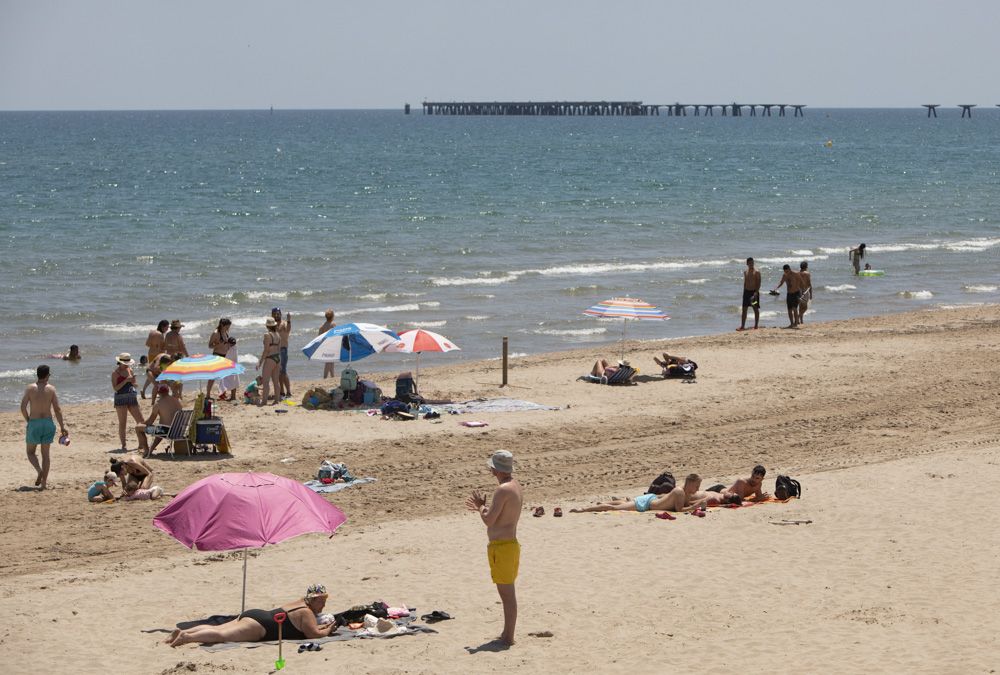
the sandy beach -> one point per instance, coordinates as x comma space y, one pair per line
891, 424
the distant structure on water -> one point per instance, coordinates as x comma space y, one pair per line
601, 108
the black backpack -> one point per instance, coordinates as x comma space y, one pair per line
662, 484
785, 487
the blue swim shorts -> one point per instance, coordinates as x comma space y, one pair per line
40, 431
642, 502
284, 359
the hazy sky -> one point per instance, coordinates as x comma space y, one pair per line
141, 54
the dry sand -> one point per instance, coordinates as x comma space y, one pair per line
891, 423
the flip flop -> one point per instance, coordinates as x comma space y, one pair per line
435, 616
664, 515
557, 512
700, 512
538, 512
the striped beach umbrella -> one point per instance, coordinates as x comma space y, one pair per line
200, 367
625, 309
349, 342
420, 340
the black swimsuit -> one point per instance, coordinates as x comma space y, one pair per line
266, 620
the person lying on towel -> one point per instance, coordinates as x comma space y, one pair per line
673, 365
259, 625
748, 489
602, 368
678, 499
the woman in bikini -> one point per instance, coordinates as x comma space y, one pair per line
270, 359
126, 401
220, 344
256, 625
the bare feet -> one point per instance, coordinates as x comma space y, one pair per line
38, 480
173, 636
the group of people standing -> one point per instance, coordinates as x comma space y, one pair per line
798, 293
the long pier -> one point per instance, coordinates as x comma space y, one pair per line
603, 108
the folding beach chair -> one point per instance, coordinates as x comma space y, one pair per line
623, 375
179, 429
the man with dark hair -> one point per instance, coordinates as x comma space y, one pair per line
284, 332
749, 489
37, 407
805, 289
751, 295
793, 286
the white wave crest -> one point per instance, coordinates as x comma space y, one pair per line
790, 259
697, 281
768, 314
980, 288
16, 374
247, 358
408, 307
604, 268
804, 251
571, 331
476, 317
916, 295
475, 281
426, 324
840, 289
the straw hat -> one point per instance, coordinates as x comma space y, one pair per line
271, 323
124, 359
175, 324
502, 461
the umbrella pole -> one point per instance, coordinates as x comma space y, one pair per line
624, 324
416, 380
243, 600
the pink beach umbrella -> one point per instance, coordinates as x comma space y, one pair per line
230, 511
420, 340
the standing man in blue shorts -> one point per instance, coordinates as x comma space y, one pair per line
37, 406
503, 551
284, 331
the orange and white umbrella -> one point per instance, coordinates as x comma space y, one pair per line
420, 340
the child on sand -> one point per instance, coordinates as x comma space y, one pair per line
99, 490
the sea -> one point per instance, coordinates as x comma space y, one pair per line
477, 228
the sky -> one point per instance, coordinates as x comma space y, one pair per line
227, 54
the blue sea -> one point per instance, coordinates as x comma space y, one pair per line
473, 227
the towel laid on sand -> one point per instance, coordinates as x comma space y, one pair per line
493, 405
317, 486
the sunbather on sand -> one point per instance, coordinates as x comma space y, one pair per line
258, 625
750, 489
678, 499
669, 363
604, 369
704, 498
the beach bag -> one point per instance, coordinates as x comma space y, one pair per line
372, 394
357, 395
405, 387
662, 484
785, 487
349, 379
392, 406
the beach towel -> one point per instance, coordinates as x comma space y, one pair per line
404, 623
493, 405
317, 486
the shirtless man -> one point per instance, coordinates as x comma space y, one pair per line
751, 295
678, 499
805, 289
706, 498
500, 518
155, 342
327, 326
164, 409
749, 489
793, 286
284, 331
38, 405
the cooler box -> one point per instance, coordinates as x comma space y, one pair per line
209, 432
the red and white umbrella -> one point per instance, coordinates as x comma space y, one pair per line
420, 340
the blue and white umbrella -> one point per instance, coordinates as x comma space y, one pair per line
349, 342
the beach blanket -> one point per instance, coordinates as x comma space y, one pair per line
317, 486
493, 405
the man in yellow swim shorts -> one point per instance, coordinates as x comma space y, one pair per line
503, 551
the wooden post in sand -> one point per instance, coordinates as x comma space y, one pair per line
503, 383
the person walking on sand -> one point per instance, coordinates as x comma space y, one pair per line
792, 284
327, 326
38, 405
126, 403
857, 255
269, 360
751, 295
284, 331
503, 551
805, 289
